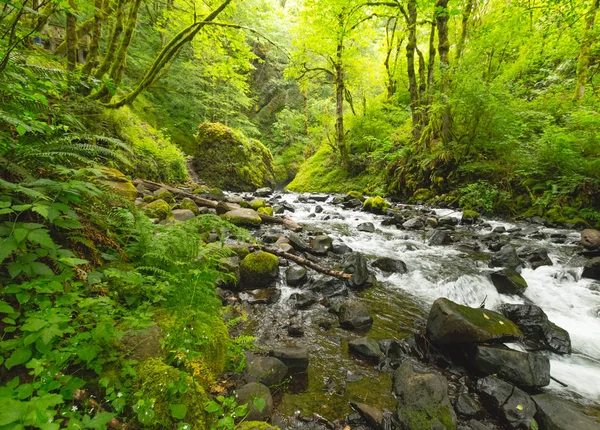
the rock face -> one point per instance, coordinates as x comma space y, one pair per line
390, 265
591, 269
590, 238
423, 401
451, 323
521, 368
508, 281
510, 403
354, 315
555, 414
243, 217
258, 270
366, 348
468, 406
227, 159
539, 333
251, 391
266, 370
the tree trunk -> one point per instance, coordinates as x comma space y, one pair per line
584, 53
116, 69
431, 64
71, 37
443, 49
113, 42
390, 71
339, 105
96, 36
411, 47
466, 16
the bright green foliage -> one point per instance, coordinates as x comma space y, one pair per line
258, 203
266, 210
256, 425
469, 215
157, 209
376, 204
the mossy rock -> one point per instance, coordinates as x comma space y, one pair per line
189, 204
242, 217
228, 159
258, 203
202, 189
165, 195
376, 204
240, 250
118, 183
213, 331
351, 195
438, 417
469, 216
153, 379
157, 209
267, 210
422, 194
149, 198
255, 425
258, 270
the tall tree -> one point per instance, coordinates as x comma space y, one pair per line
584, 52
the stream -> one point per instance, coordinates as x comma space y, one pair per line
399, 303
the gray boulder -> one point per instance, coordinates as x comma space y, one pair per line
303, 300
590, 238
248, 394
556, 414
354, 315
508, 281
439, 237
367, 227
320, 245
468, 406
390, 265
591, 269
294, 357
356, 264
367, 348
296, 275
263, 192
506, 257
413, 224
182, 214
511, 404
268, 371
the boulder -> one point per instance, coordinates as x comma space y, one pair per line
265, 210
390, 265
450, 323
525, 369
373, 416
508, 281
227, 159
303, 300
511, 404
157, 209
243, 217
376, 205
447, 221
297, 242
340, 248
415, 223
182, 214
296, 275
536, 258
295, 358
263, 192
468, 406
556, 414
354, 315
367, 227
590, 238
143, 344
328, 286
539, 333
320, 197
258, 270
320, 245
248, 394
591, 269
506, 257
353, 204
261, 296
356, 264
367, 348
118, 183
469, 217
187, 203
423, 401
439, 237
268, 371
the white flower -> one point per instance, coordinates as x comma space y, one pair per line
119, 394
74, 408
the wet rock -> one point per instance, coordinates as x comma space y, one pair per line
439, 237
353, 204
506, 257
328, 286
182, 214
266, 370
367, 348
468, 406
251, 391
296, 275
431, 222
508, 402
591, 269
390, 265
536, 258
508, 281
423, 401
243, 217
294, 357
340, 248
447, 221
295, 330
451, 323
590, 238
354, 315
337, 200
298, 243
261, 296
500, 229
288, 207
469, 217
263, 192
373, 416
524, 369
413, 224
278, 210
258, 270
556, 414
320, 197
367, 227
320, 245
539, 333
356, 264
303, 300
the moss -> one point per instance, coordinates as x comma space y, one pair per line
565, 215
425, 419
166, 196
267, 210
242, 217
376, 204
239, 250
258, 269
189, 204
469, 215
214, 333
149, 198
422, 194
157, 209
516, 278
255, 425
153, 379
202, 189
118, 183
230, 160
489, 321
258, 203
355, 195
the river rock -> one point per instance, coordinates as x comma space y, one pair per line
353, 204
591, 269
373, 416
539, 333
367, 227
390, 265
182, 214
439, 237
536, 258
243, 217
298, 243
423, 401
268, 371
524, 369
261, 296
510, 403
468, 406
263, 192
340, 248
303, 300
506, 257
450, 323
590, 238
251, 391
447, 221
366, 348
356, 264
320, 245
508, 281
258, 270
328, 286
295, 358
296, 275
354, 315
320, 197
415, 223
556, 414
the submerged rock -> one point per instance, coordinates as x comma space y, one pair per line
508, 281
451, 323
296, 275
508, 402
556, 414
354, 315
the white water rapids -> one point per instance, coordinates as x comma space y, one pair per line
569, 301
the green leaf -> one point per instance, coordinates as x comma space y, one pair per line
7, 247
23, 298
20, 234
18, 356
227, 423
259, 403
21, 130
212, 407
5, 308
41, 237
41, 269
178, 411
34, 324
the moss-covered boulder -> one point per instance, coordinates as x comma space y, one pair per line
256, 425
157, 209
422, 194
228, 159
508, 281
469, 217
351, 195
266, 210
153, 379
118, 183
258, 270
243, 217
164, 194
376, 204
451, 323
188, 204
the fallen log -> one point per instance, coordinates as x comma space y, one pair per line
302, 261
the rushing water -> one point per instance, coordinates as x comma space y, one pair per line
569, 301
